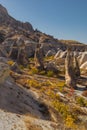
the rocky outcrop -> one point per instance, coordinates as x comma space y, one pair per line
60, 54
63, 54
51, 53
2, 37
14, 67
76, 67
83, 58
22, 57
51, 67
15, 49
39, 57
11, 30
69, 70
4, 72
72, 69
6, 19
84, 66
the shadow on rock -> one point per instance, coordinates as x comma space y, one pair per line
16, 99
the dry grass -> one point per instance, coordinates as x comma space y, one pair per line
31, 126
10, 62
49, 58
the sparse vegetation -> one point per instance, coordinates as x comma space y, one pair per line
34, 83
50, 73
34, 70
69, 122
10, 62
81, 101
68, 116
42, 72
49, 58
21, 67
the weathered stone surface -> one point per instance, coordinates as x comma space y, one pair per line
58, 54
51, 67
22, 57
63, 54
4, 72
39, 57
3, 60
14, 67
83, 58
84, 66
2, 37
69, 70
6, 19
76, 67
12, 50
51, 53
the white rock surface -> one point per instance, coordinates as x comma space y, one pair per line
83, 58
10, 121
84, 66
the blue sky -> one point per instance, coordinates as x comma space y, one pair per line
64, 19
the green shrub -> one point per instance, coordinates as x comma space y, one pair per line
34, 70
69, 122
50, 73
10, 62
81, 101
42, 72
34, 83
61, 108
21, 67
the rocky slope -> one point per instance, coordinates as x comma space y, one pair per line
7, 20
12, 32
19, 107
38, 99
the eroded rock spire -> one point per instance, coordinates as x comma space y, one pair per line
39, 57
72, 71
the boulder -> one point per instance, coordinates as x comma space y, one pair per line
51, 67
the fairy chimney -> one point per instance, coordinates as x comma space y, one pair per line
39, 63
69, 70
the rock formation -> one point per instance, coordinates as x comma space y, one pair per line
83, 58
51, 53
39, 57
72, 69
51, 66
84, 66
6, 19
69, 70
21, 56
76, 67
12, 29
2, 37
37, 102
4, 72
